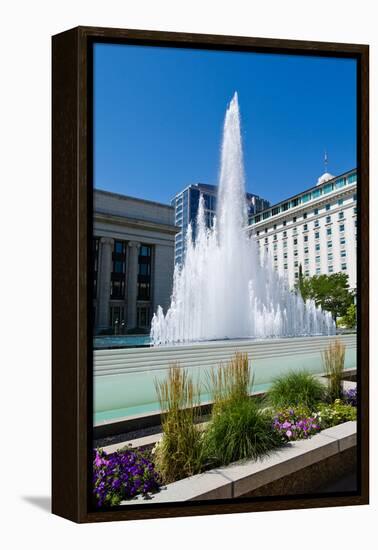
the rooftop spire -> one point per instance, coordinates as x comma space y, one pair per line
325, 161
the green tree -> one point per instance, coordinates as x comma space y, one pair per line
350, 318
330, 292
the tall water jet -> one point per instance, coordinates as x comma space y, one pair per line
225, 288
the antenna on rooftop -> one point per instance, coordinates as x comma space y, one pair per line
325, 161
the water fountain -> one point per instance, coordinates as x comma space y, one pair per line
225, 288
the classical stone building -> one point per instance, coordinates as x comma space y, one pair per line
133, 261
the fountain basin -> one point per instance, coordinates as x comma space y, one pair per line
124, 379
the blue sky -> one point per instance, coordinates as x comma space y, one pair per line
158, 116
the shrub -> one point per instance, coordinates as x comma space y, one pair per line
230, 382
122, 475
297, 388
297, 423
333, 362
179, 453
350, 397
239, 430
336, 413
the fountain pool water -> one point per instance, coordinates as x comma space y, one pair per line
225, 288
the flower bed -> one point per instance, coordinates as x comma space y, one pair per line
238, 429
122, 475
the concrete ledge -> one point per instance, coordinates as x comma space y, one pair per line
241, 478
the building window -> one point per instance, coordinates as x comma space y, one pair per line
317, 235
305, 227
274, 247
144, 272
340, 202
317, 247
355, 197
306, 249
296, 275
285, 266
341, 227
330, 256
296, 264
275, 211
342, 241
117, 286
285, 255
316, 211
275, 226
266, 240
305, 238
317, 259
307, 273
343, 267
294, 219
257, 233
355, 210
143, 316
305, 215
284, 234
295, 253
329, 244
330, 268
328, 207
329, 231
275, 237
284, 223
117, 319
343, 253
307, 261
318, 270
341, 215
328, 219
316, 224
285, 206
95, 252
275, 258
285, 244
295, 241
266, 230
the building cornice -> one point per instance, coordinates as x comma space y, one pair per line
134, 223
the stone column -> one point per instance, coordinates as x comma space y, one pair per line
104, 282
132, 284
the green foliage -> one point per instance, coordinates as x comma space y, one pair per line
239, 430
337, 413
333, 363
296, 388
180, 452
331, 292
350, 318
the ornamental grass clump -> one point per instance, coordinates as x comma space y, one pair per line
333, 362
295, 389
238, 429
231, 382
179, 452
298, 423
122, 476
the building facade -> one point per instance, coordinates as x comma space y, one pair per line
133, 261
316, 229
186, 203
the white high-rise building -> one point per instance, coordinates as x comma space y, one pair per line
316, 229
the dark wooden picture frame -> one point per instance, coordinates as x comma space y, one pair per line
72, 223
